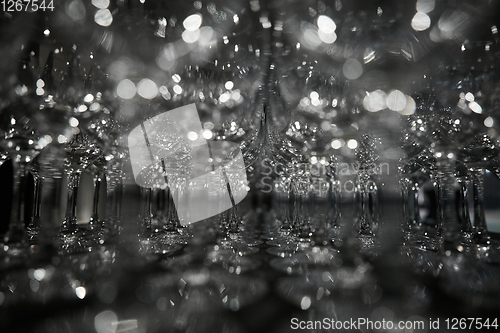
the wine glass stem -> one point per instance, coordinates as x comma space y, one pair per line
301, 219
405, 203
365, 223
145, 194
285, 210
17, 230
94, 218
336, 201
416, 208
480, 228
70, 220
449, 223
465, 215
234, 224
114, 192
172, 222
37, 202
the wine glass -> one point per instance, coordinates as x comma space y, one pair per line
25, 122
213, 55
329, 67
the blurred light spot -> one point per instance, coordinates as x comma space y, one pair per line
46, 32
40, 91
211, 8
80, 292
73, 122
94, 107
207, 134
314, 95
305, 303
326, 24
229, 85
254, 5
304, 102
421, 21
105, 322
176, 78
325, 125
352, 69
82, 108
76, 10
236, 19
264, 20
310, 37
192, 22
236, 95
163, 90
396, 101
336, 144
234, 304
224, 98
44, 141
475, 107
327, 38
147, 89
410, 107
102, 4
488, 122
190, 36
375, 101
192, 136
206, 36
352, 144
469, 97
39, 274
126, 89
88, 98
177, 89
426, 6
103, 17
451, 23
21, 90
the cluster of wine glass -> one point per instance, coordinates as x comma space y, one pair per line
56, 120
366, 131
